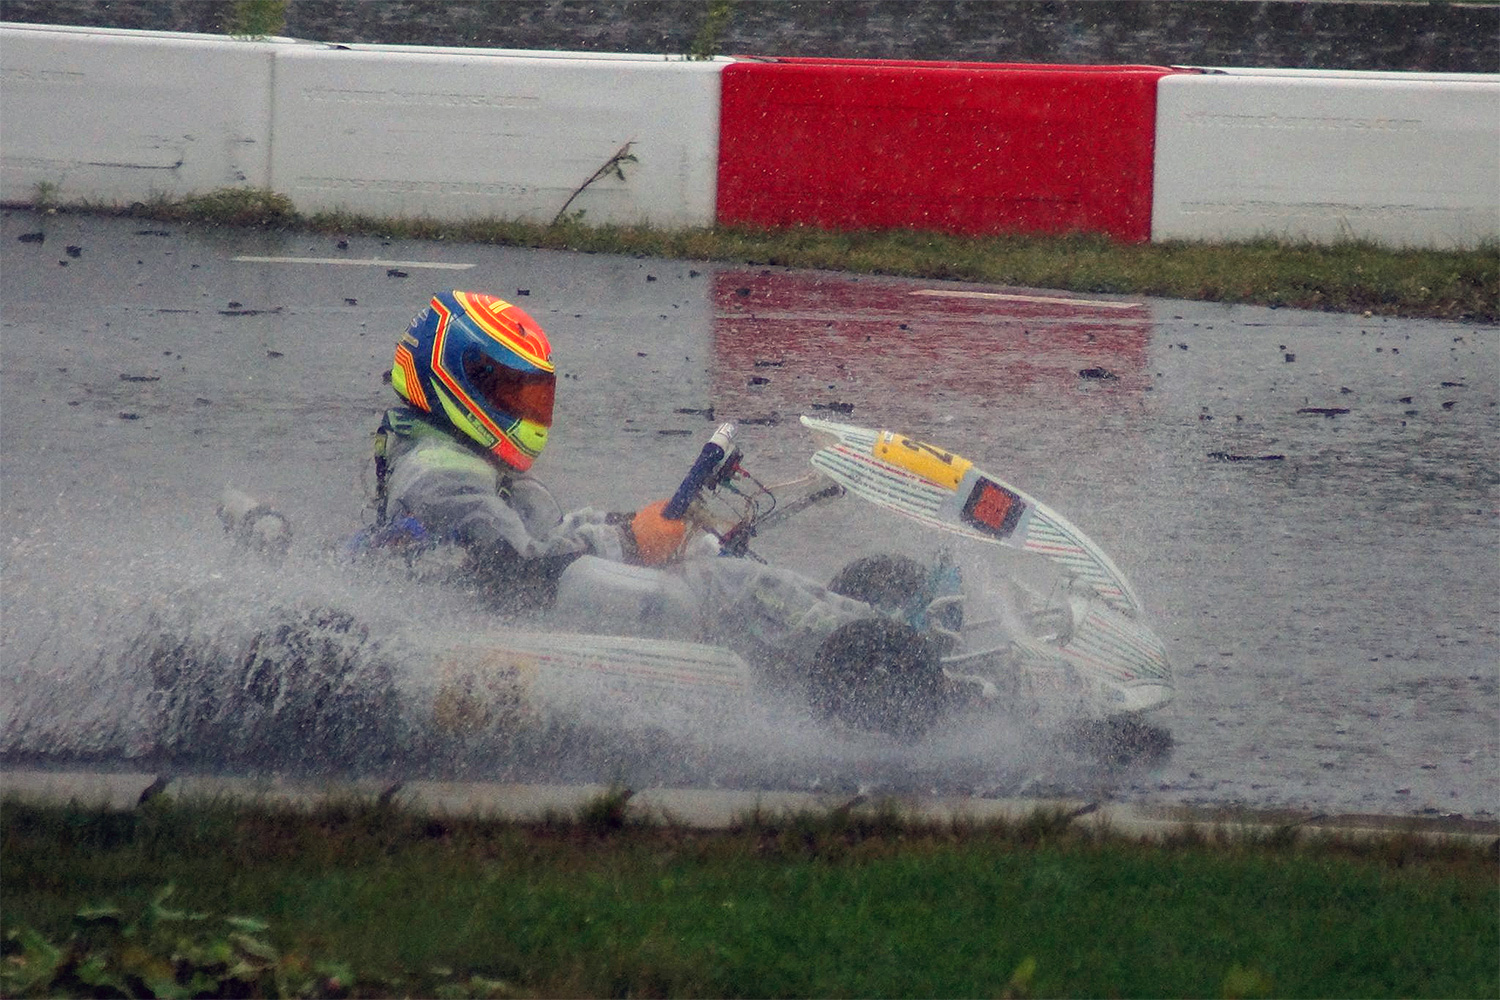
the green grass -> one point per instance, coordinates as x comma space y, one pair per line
366, 899
1349, 276
255, 19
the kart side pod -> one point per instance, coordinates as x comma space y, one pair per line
612, 597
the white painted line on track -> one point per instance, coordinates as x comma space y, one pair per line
957, 293
355, 262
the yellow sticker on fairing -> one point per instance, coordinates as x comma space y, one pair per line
933, 464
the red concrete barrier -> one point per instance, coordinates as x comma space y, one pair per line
971, 148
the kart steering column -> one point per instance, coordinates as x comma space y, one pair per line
709, 462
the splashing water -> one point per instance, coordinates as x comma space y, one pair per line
188, 654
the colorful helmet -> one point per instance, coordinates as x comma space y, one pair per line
485, 366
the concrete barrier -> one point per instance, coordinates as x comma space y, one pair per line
1400, 159
122, 116
971, 148
115, 116
471, 134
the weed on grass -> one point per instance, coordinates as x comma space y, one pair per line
255, 20
1345, 276
246, 207
605, 814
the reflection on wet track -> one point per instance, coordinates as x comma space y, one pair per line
813, 338
1307, 503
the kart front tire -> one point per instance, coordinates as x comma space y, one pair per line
1123, 740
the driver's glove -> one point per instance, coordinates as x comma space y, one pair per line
603, 535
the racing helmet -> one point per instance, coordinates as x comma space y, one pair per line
485, 367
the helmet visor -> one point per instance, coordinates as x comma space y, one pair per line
526, 395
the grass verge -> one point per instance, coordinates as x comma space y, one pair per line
1349, 276
368, 899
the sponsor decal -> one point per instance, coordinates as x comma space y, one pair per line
993, 509
933, 464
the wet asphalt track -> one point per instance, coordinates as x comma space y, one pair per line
1307, 503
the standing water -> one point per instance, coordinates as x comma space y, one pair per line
1306, 504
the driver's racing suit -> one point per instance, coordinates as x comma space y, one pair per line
436, 494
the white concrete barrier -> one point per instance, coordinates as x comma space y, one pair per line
114, 116
1401, 159
474, 134
120, 116
449, 50
1342, 74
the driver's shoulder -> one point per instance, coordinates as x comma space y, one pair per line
415, 445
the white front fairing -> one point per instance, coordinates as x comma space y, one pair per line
1107, 650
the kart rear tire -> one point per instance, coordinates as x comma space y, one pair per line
897, 585
323, 695
297, 689
884, 580
878, 675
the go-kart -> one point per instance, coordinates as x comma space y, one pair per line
940, 640
1000, 613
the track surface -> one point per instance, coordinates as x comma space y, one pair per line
1331, 612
